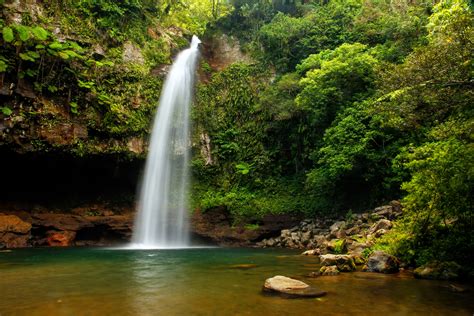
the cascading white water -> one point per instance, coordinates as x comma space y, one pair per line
161, 220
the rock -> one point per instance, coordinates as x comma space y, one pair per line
380, 261
358, 260
381, 224
14, 232
337, 245
306, 236
336, 226
290, 287
379, 233
61, 239
13, 224
357, 247
457, 288
384, 211
320, 240
270, 242
352, 231
132, 54
136, 145
244, 266
60, 222
224, 50
313, 252
344, 263
438, 271
329, 270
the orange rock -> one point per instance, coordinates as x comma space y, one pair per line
13, 224
61, 239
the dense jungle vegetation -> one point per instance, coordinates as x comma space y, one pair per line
349, 104
344, 106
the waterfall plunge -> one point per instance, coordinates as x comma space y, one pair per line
162, 221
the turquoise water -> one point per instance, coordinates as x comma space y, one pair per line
85, 281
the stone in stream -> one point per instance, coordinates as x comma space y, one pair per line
290, 288
329, 270
438, 271
344, 263
244, 266
312, 252
380, 261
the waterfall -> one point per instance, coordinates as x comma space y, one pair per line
162, 219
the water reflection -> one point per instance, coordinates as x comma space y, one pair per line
202, 282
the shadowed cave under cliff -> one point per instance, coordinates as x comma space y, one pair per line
55, 180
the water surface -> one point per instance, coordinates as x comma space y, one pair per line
202, 282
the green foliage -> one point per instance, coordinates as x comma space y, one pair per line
339, 245
6, 111
287, 40
8, 34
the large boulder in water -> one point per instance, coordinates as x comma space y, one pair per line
344, 263
438, 271
380, 261
290, 288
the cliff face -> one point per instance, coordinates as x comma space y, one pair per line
76, 79
79, 84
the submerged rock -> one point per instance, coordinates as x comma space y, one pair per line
244, 266
438, 271
329, 270
290, 288
380, 261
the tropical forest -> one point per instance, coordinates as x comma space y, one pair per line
236, 157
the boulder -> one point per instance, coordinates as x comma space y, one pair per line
60, 239
380, 261
312, 252
14, 232
306, 236
381, 224
438, 271
357, 247
290, 288
329, 270
344, 263
352, 231
337, 226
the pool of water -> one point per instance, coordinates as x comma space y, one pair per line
203, 282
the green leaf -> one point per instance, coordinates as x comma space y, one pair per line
8, 34
52, 89
56, 46
29, 56
3, 66
40, 33
6, 111
73, 107
26, 57
23, 32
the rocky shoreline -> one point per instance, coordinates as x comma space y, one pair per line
345, 245
338, 244
86, 226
